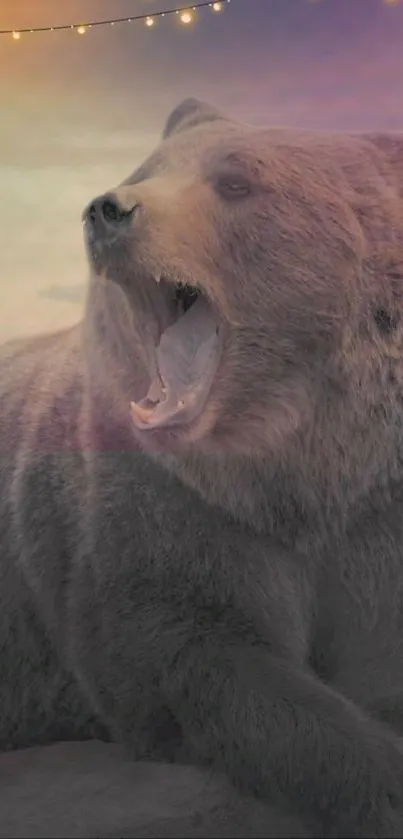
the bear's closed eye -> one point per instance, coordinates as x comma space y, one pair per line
232, 187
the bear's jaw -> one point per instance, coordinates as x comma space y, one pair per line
182, 362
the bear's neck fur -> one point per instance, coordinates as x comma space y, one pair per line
329, 475
335, 468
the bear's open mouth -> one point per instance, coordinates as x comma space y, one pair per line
183, 361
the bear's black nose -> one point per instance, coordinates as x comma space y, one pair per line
106, 216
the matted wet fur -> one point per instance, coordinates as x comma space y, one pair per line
214, 575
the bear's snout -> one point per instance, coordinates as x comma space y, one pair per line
106, 218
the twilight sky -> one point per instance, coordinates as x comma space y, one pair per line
77, 113
329, 62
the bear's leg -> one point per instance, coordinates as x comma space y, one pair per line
282, 734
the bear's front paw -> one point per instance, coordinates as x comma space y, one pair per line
373, 806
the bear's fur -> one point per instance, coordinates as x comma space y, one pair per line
215, 575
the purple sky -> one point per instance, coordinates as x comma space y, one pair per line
329, 63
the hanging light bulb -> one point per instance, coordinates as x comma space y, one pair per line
16, 35
149, 21
81, 30
186, 17
217, 7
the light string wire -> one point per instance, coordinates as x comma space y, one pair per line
186, 16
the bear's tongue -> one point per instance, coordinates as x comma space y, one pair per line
185, 363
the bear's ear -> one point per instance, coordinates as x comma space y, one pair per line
189, 113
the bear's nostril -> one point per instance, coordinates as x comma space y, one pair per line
106, 213
113, 214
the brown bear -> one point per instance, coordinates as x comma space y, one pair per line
201, 484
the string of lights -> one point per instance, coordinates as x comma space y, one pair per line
186, 16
